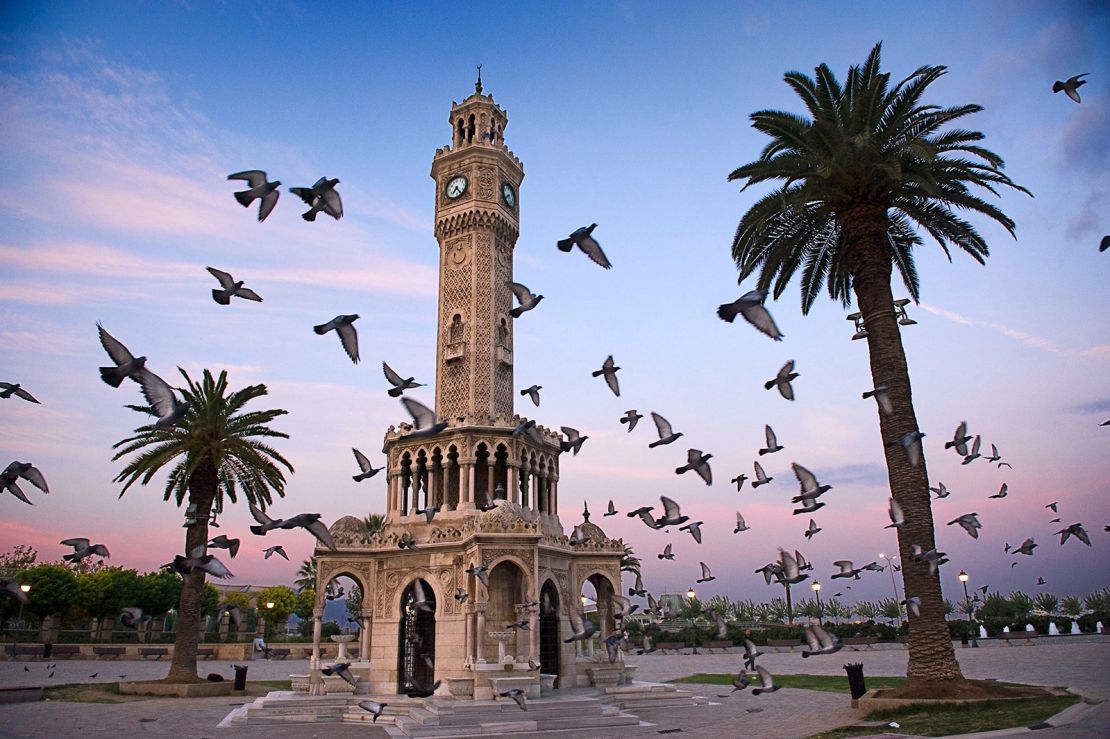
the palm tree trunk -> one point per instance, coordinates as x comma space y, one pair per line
931, 657
202, 492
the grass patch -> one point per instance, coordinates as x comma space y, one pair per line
828, 683
85, 693
272, 684
942, 720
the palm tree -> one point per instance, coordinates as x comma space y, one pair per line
858, 177
375, 522
630, 562
215, 454
306, 575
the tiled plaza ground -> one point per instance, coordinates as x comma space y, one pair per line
786, 713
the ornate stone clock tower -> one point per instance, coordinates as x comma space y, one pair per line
476, 223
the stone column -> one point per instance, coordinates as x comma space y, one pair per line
469, 639
317, 625
491, 468
366, 617
448, 465
466, 484
525, 471
480, 635
534, 634
434, 492
554, 493
513, 492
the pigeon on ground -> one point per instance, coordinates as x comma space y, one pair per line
699, 463
609, 369
162, 399
7, 390
574, 440
373, 708
400, 384
813, 529
631, 418
897, 518
584, 240
582, 627
706, 575
278, 550
222, 542
760, 476
344, 326
1026, 547
231, 288
941, 491
11, 589
259, 188
739, 480
519, 696
1002, 492
820, 642
368, 470
882, 397
672, 516
1053, 506
127, 365
24, 470
847, 569
527, 299
320, 197
750, 306
1076, 530
782, 381
667, 553
772, 442
740, 524
310, 522
1071, 87
663, 427
612, 511
481, 572
767, 680
751, 651
198, 559
82, 548
959, 440
343, 670
969, 522
911, 444
694, 527
533, 393
133, 618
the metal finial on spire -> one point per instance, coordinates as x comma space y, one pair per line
478, 84
585, 511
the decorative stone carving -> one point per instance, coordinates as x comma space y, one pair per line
349, 531
525, 555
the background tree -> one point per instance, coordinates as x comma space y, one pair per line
868, 166
215, 454
103, 594
306, 576
12, 565
1046, 603
284, 599
890, 609
158, 592
1021, 604
867, 610
1071, 606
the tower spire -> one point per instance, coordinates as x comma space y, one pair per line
478, 84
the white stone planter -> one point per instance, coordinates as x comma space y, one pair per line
607, 676
547, 683
629, 674
461, 687
300, 683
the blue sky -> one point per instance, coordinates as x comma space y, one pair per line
121, 122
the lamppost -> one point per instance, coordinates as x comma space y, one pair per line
893, 584
26, 588
269, 616
691, 594
817, 592
967, 598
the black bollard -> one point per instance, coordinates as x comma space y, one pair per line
964, 639
855, 680
240, 677
47, 650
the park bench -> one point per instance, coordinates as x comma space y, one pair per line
859, 641
788, 643
674, 646
279, 653
26, 650
206, 653
156, 652
65, 650
722, 644
114, 652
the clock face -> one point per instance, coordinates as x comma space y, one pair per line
456, 186
508, 194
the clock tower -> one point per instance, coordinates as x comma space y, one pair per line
477, 220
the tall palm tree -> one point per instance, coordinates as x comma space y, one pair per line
857, 180
374, 522
306, 575
215, 454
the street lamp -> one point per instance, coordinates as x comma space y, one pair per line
967, 598
690, 594
26, 588
817, 592
893, 584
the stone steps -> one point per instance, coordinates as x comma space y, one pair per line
438, 718
643, 696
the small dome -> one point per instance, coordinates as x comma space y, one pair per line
349, 531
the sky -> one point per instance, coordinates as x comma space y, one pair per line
121, 122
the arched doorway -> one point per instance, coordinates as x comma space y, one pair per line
550, 644
416, 651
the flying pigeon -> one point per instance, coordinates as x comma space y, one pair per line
523, 427
126, 364
420, 600
518, 695
782, 381
480, 572
882, 397
813, 529
1071, 87
278, 549
631, 418
373, 708
1076, 530
694, 527
461, 595
741, 525
672, 516
994, 456
959, 440
310, 522
791, 571
808, 482
941, 491
969, 522
612, 510
82, 548
1026, 547
348, 337
133, 618
750, 306
1002, 492
760, 476
320, 197
767, 680
739, 480
974, 455
663, 427
810, 504
343, 670
527, 299
230, 288
846, 569
911, 444
1041, 581
667, 553
582, 627
770, 571
1053, 506
199, 560
584, 240
913, 606
644, 513
699, 463
820, 642
222, 542
259, 188
533, 393
163, 402
399, 383
424, 419
574, 441
24, 470
897, 518
11, 589
422, 691
637, 588
368, 470
706, 575
751, 651
609, 369
1103, 246
772, 442
7, 390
